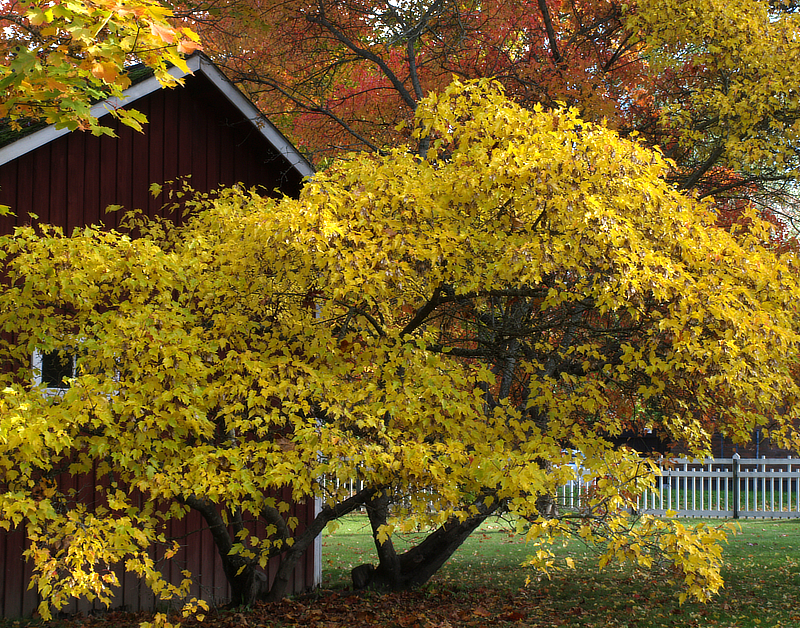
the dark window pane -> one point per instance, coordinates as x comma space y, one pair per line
55, 367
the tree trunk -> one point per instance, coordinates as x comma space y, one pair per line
301, 543
248, 584
388, 571
416, 566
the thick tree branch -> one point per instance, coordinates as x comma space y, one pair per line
415, 567
423, 312
303, 541
692, 179
273, 516
551, 33
368, 55
219, 530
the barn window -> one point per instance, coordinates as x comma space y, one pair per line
52, 369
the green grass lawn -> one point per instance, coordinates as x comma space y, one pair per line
762, 575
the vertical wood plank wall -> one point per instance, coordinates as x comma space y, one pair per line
197, 554
192, 130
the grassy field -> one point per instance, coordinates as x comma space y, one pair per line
762, 577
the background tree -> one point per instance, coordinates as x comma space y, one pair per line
711, 84
448, 330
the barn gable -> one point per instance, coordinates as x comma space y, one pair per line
206, 129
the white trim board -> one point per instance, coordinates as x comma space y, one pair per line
198, 64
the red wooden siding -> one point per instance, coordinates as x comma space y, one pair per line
15, 598
193, 130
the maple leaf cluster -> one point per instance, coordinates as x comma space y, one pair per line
59, 59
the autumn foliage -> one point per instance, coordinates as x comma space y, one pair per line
710, 84
58, 59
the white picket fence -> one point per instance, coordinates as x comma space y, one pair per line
763, 488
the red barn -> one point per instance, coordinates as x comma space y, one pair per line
205, 129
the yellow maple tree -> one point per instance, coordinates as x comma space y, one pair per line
454, 333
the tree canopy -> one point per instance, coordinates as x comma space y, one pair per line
452, 331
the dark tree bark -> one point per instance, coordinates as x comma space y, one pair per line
248, 583
292, 555
397, 572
